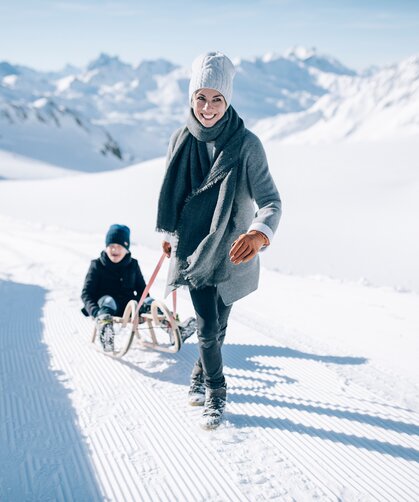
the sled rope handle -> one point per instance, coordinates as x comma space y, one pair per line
174, 298
150, 283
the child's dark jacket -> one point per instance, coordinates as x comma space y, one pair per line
123, 281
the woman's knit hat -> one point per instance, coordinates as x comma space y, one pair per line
118, 234
212, 70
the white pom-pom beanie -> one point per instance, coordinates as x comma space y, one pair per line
212, 70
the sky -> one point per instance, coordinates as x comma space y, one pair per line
48, 34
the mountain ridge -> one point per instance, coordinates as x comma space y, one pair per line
121, 113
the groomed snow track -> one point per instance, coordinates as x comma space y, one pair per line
75, 425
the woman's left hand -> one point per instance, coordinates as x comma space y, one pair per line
247, 246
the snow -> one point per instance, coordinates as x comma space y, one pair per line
384, 105
56, 135
349, 210
321, 361
298, 97
14, 167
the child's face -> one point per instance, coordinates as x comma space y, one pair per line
116, 252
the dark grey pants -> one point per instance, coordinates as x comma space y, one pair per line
212, 317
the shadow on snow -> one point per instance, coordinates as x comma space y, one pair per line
43, 454
262, 362
336, 437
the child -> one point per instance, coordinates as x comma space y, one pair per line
111, 282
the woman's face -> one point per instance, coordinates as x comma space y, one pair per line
208, 106
116, 252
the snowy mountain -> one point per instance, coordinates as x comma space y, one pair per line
111, 113
325, 64
384, 104
47, 131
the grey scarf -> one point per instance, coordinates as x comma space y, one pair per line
197, 201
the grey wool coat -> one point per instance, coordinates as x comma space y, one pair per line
254, 185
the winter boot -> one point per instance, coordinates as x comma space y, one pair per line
187, 328
106, 332
215, 401
196, 395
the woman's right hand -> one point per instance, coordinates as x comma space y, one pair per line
167, 248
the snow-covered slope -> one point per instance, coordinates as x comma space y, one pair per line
111, 113
319, 369
17, 167
349, 210
322, 374
321, 361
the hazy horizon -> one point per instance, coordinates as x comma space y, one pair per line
48, 35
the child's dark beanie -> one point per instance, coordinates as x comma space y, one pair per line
118, 234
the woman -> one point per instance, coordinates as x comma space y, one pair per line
216, 170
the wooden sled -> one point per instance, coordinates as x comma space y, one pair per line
157, 330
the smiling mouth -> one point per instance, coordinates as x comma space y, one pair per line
208, 117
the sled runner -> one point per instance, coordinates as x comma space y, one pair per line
157, 329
